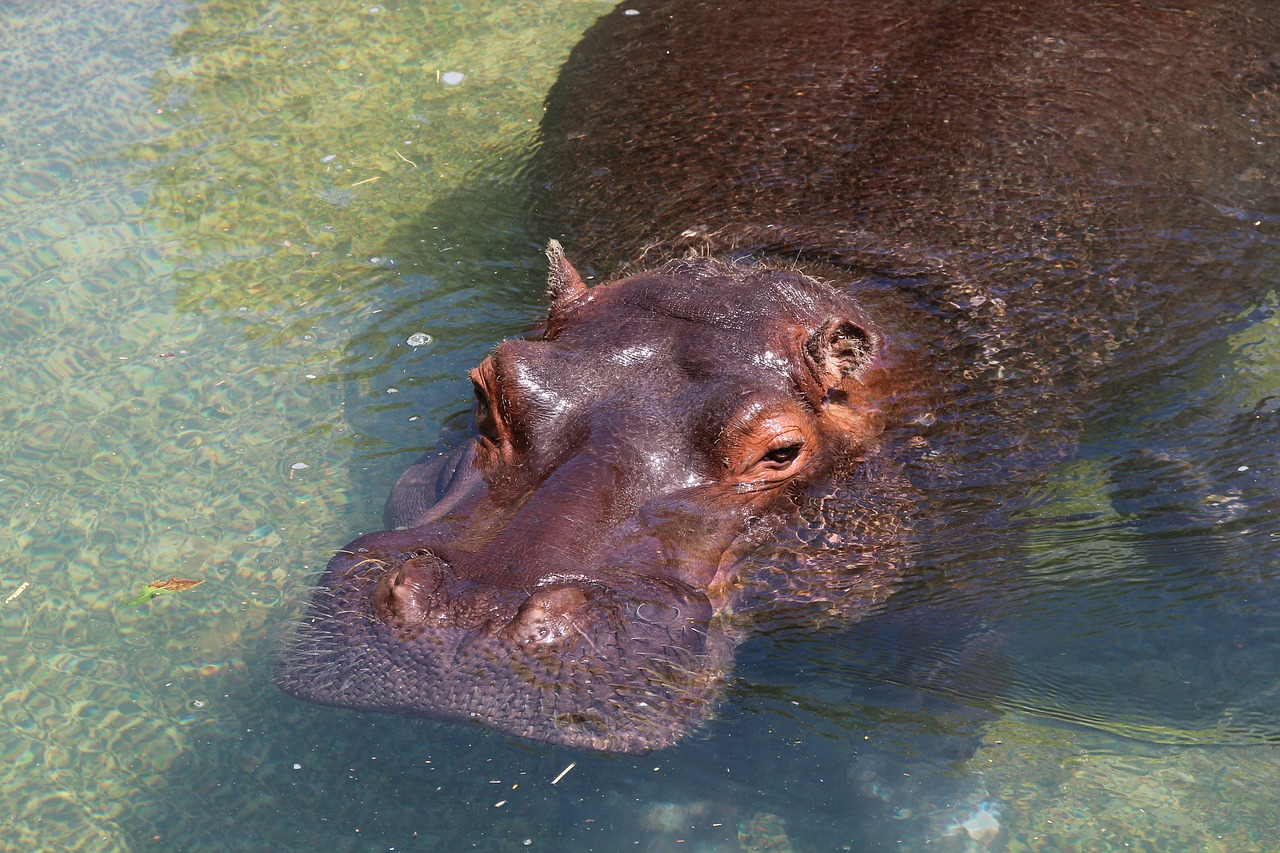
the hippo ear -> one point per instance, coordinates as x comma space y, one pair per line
563, 282
840, 349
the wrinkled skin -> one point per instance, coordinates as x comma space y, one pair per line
922, 230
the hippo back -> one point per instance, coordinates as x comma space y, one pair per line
1045, 160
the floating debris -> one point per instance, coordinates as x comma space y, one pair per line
418, 339
168, 587
22, 587
564, 772
452, 78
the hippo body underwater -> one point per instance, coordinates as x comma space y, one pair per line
861, 260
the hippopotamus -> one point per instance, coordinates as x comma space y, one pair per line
837, 265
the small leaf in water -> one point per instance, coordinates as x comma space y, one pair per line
174, 584
167, 587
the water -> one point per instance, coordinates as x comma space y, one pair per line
221, 224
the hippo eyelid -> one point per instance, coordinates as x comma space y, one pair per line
484, 417
492, 415
756, 412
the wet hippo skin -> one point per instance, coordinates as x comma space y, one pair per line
861, 264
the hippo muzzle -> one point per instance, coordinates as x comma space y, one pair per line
628, 666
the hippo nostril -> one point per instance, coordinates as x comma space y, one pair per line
547, 617
403, 598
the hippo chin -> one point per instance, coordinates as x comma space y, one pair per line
911, 238
566, 575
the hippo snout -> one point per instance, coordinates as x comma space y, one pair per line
425, 592
626, 666
421, 594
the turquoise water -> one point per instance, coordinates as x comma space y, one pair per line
220, 225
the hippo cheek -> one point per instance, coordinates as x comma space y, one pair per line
701, 538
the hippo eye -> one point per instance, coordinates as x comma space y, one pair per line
784, 455
778, 460
767, 442
779, 456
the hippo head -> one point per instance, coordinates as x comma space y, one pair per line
566, 574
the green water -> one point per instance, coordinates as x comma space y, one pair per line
204, 211
220, 223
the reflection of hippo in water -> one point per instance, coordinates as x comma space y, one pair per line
907, 236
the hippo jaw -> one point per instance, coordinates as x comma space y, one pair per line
565, 575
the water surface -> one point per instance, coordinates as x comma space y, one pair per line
221, 226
